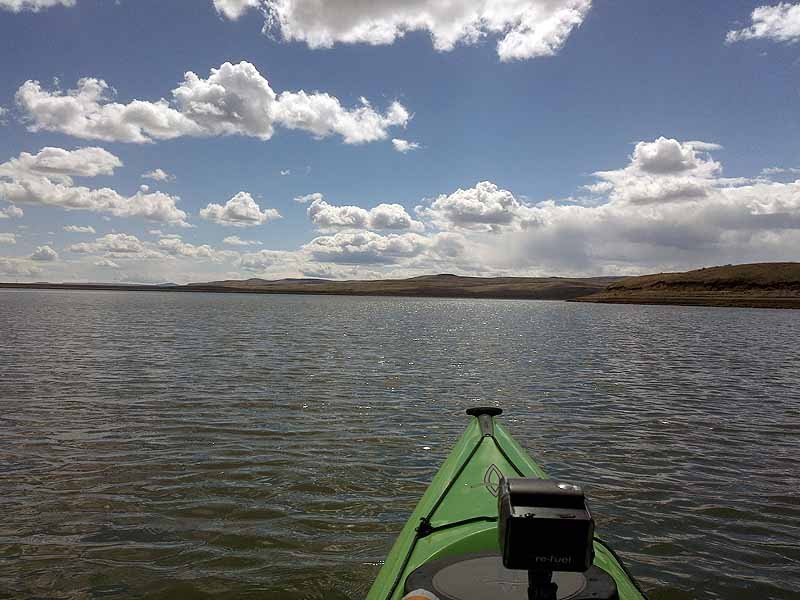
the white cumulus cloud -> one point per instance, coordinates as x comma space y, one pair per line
155, 206
660, 171
86, 112
235, 240
264, 260
366, 247
308, 198
78, 229
33, 5
158, 175
240, 211
665, 156
233, 100
778, 23
61, 164
114, 248
46, 178
485, 207
404, 146
233, 9
8, 238
328, 217
106, 263
113, 243
524, 28
323, 115
177, 247
44, 254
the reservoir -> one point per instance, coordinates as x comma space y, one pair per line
159, 445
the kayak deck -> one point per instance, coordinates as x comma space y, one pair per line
458, 512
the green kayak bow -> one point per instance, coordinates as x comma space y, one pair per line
458, 514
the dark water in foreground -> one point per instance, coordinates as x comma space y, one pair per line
229, 446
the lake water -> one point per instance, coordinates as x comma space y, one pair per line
237, 446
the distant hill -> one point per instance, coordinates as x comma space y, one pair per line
761, 285
254, 282
446, 286
758, 285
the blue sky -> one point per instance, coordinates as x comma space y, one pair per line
573, 149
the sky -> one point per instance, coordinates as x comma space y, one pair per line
145, 141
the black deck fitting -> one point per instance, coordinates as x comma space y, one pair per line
492, 411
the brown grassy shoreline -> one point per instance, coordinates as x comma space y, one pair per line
709, 300
757, 285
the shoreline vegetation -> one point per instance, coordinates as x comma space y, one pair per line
759, 285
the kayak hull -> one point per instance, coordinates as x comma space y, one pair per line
458, 512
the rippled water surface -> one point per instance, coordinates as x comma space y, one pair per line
232, 446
